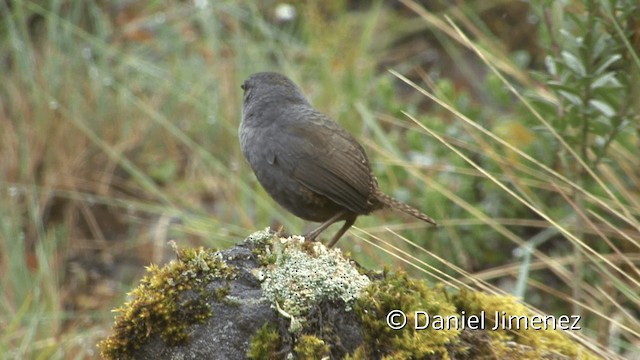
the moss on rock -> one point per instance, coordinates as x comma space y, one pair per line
265, 344
295, 299
168, 300
399, 292
532, 343
311, 347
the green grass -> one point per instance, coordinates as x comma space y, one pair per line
119, 132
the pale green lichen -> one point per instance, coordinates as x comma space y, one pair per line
262, 245
306, 274
261, 236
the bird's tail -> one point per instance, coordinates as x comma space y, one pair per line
400, 206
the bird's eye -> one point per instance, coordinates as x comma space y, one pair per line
243, 87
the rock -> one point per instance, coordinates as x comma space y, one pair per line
279, 298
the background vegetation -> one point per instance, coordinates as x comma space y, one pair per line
515, 124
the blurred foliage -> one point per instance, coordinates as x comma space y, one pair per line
118, 131
591, 72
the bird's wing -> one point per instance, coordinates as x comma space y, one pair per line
325, 158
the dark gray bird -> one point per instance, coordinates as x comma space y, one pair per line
306, 161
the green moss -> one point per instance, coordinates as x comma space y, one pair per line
537, 343
167, 301
397, 291
311, 347
265, 344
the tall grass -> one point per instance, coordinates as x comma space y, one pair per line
580, 189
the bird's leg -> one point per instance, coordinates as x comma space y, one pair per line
311, 236
347, 224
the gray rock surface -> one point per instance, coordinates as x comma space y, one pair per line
227, 333
236, 318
